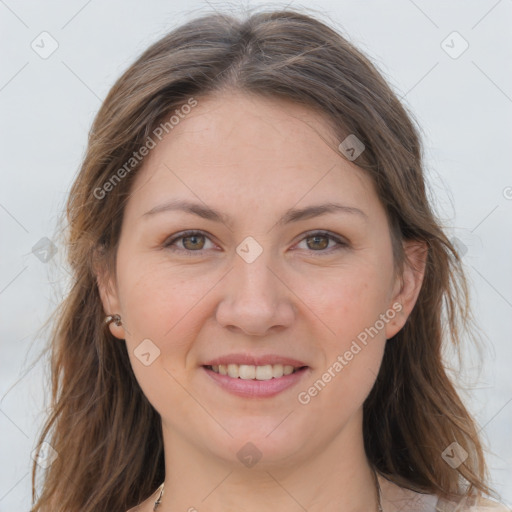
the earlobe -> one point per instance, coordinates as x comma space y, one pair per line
408, 285
110, 301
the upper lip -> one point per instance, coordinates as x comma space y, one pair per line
254, 360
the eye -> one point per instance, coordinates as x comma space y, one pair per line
190, 241
195, 241
318, 241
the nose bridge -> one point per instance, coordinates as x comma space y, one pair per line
252, 276
255, 299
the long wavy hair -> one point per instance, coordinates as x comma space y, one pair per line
106, 434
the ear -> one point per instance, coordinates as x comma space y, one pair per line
407, 285
109, 295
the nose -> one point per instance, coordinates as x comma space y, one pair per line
255, 298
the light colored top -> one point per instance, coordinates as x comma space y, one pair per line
398, 499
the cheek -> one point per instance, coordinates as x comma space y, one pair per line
169, 311
351, 334
166, 306
353, 354
347, 300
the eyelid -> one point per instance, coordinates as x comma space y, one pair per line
185, 234
342, 243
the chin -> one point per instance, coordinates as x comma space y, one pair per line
265, 446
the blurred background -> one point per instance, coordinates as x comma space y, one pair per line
450, 62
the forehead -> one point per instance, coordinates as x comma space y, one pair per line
243, 150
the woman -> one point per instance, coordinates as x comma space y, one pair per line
256, 320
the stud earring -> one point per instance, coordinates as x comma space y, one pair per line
113, 318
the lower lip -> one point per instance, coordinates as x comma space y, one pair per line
256, 388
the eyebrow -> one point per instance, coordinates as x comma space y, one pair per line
291, 215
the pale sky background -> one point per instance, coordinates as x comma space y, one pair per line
462, 100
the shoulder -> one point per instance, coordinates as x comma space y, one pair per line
481, 505
400, 499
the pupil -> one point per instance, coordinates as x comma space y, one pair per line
315, 238
194, 239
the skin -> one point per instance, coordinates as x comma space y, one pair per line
253, 159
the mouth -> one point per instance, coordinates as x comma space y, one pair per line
253, 372
255, 382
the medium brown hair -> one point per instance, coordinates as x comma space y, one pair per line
107, 435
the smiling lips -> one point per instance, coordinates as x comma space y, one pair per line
255, 376
248, 367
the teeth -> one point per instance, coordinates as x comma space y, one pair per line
288, 369
247, 372
250, 372
233, 371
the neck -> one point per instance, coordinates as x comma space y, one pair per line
336, 477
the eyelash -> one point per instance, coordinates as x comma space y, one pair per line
185, 234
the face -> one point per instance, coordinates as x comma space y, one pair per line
254, 268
